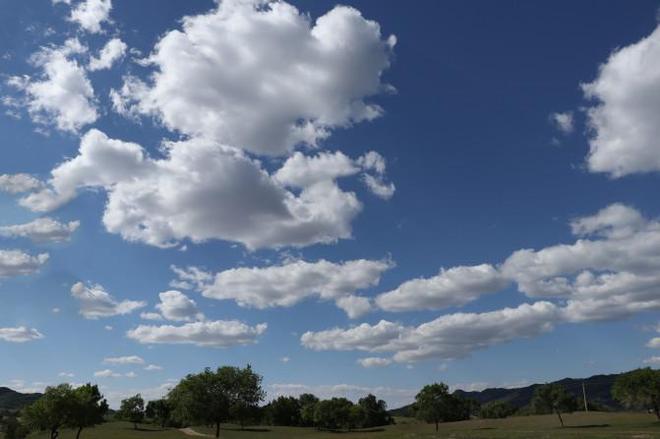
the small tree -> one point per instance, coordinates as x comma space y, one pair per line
553, 398
639, 388
159, 411
132, 410
88, 408
52, 411
432, 403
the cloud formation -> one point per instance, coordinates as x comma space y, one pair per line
217, 334
41, 230
291, 80
113, 51
20, 334
19, 263
91, 14
96, 303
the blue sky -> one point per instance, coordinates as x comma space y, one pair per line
355, 198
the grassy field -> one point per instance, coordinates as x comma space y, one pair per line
578, 425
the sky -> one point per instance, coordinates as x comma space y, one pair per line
352, 198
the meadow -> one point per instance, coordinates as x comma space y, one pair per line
578, 425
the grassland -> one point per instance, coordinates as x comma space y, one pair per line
578, 425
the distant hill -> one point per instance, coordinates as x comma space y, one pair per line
597, 387
12, 400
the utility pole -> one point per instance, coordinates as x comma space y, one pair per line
584, 396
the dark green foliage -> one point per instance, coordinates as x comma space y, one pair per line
639, 389
52, 411
12, 428
553, 398
159, 411
88, 408
333, 414
375, 412
213, 397
12, 400
435, 404
497, 410
285, 411
307, 403
132, 410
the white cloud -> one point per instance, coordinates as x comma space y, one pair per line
220, 333
18, 263
626, 133
20, 334
379, 187
96, 303
107, 373
447, 337
200, 190
176, 306
563, 121
66, 375
285, 359
289, 283
91, 14
652, 361
41, 230
19, 183
151, 316
654, 343
291, 81
153, 368
129, 359
456, 286
374, 362
63, 95
113, 51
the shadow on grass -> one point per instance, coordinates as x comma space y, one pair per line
247, 429
588, 426
146, 430
365, 430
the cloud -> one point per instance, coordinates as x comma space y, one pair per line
291, 80
447, 337
654, 343
652, 361
107, 373
287, 284
219, 334
96, 303
66, 375
41, 230
370, 362
153, 368
130, 359
18, 263
200, 190
456, 286
176, 306
113, 51
62, 95
19, 183
623, 118
563, 121
91, 14
20, 334
151, 316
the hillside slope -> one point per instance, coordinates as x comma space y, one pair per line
12, 400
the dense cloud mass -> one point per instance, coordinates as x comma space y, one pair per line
218, 334
291, 81
288, 284
97, 303
91, 14
202, 190
624, 118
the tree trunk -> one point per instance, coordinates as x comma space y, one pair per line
561, 421
54, 433
217, 429
436, 426
80, 429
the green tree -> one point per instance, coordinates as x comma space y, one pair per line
375, 411
132, 410
433, 403
285, 411
639, 388
159, 411
553, 398
497, 409
247, 394
88, 408
307, 403
52, 411
13, 429
357, 417
333, 414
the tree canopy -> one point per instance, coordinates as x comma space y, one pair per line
553, 398
639, 389
132, 410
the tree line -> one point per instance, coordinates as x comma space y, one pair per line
234, 394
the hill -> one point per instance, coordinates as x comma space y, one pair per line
12, 400
597, 388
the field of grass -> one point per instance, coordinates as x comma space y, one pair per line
578, 425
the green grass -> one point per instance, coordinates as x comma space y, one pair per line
578, 425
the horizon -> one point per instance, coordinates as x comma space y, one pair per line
353, 198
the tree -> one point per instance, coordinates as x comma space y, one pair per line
333, 413
432, 403
375, 411
132, 410
307, 403
553, 398
211, 397
13, 429
88, 408
497, 409
159, 411
285, 411
52, 411
357, 417
639, 388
